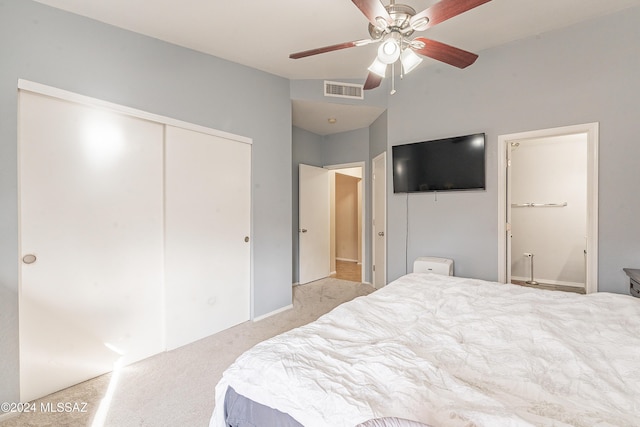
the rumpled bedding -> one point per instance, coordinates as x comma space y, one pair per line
449, 351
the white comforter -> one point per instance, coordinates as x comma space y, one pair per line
451, 351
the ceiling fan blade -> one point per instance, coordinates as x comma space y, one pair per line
445, 53
331, 48
373, 9
444, 10
373, 81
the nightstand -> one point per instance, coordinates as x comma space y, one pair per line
634, 281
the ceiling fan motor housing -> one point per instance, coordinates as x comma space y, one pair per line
400, 16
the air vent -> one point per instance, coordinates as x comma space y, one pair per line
343, 90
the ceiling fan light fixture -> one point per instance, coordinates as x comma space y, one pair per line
420, 24
381, 23
392, 25
410, 60
378, 67
389, 51
417, 44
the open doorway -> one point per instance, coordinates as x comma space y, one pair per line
548, 208
346, 186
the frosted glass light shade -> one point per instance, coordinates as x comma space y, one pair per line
410, 60
389, 51
378, 67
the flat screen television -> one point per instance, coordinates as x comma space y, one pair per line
448, 164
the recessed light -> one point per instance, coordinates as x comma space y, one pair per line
332, 120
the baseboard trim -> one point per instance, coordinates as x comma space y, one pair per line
273, 313
549, 282
348, 260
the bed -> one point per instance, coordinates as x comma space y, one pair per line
447, 351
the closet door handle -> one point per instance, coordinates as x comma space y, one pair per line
381, 233
303, 230
29, 259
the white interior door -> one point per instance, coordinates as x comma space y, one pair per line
91, 241
379, 220
208, 222
314, 224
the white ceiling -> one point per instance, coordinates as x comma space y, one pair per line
314, 116
261, 34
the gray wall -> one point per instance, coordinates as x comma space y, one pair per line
347, 147
378, 136
59, 49
582, 74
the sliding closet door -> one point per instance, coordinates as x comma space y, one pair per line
208, 217
90, 241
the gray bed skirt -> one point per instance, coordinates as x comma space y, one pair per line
240, 411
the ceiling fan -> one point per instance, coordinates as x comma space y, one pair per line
392, 25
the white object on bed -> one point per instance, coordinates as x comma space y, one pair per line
449, 351
429, 264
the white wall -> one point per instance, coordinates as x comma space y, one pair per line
550, 170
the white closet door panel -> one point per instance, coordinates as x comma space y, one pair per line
91, 213
208, 217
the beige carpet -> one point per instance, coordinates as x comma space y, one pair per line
176, 388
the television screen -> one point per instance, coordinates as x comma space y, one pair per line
441, 165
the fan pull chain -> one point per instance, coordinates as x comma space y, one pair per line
393, 78
402, 48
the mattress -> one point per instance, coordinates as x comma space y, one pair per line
450, 351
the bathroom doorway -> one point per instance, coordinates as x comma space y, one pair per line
548, 208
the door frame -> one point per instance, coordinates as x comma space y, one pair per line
363, 223
383, 158
504, 141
